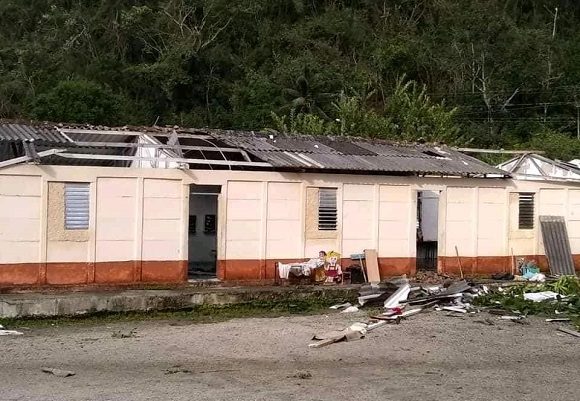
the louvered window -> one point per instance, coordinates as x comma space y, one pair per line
526, 210
76, 206
327, 213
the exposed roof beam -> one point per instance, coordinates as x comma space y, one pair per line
130, 133
507, 152
23, 159
535, 163
155, 145
173, 141
533, 177
30, 151
167, 159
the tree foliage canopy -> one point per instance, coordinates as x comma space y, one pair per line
497, 73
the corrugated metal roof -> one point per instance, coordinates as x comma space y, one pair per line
48, 136
355, 154
20, 132
557, 245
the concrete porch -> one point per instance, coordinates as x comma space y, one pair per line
50, 304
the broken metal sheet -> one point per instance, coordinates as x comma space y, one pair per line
557, 245
454, 309
355, 332
511, 317
394, 317
398, 297
542, 296
10, 333
340, 306
453, 291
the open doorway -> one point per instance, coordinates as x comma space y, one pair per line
427, 229
202, 238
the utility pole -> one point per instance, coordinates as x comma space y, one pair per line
555, 19
549, 77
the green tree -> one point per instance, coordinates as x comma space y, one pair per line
414, 116
557, 145
510, 69
78, 102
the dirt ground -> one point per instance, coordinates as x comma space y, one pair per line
428, 357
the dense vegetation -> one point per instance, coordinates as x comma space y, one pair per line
491, 73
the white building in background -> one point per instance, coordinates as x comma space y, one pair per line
533, 166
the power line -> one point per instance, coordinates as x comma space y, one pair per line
508, 92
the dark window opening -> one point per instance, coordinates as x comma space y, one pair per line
209, 224
526, 211
327, 211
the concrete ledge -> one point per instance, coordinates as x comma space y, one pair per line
82, 303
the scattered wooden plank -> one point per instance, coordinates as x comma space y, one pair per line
500, 151
58, 372
569, 331
459, 261
324, 343
372, 264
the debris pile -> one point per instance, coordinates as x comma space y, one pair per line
397, 300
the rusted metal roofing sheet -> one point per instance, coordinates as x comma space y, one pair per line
557, 245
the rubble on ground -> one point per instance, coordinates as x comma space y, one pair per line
6, 332
556, 298
58, 372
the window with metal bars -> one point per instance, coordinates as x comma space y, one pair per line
76, 206
526, 211
327, 213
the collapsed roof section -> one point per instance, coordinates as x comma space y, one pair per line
175, 147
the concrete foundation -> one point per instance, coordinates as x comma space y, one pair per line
83, 303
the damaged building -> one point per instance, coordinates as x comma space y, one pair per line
85, 205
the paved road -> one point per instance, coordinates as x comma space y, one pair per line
429, 357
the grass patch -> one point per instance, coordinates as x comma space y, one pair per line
197, 314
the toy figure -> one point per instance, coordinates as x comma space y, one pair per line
333, 269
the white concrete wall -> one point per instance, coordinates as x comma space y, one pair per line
461, 224
21, 200
359, 218
163, 220
262, 215
284, 220
574, 219
397, 221
244, 220
135, 214
116, 217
